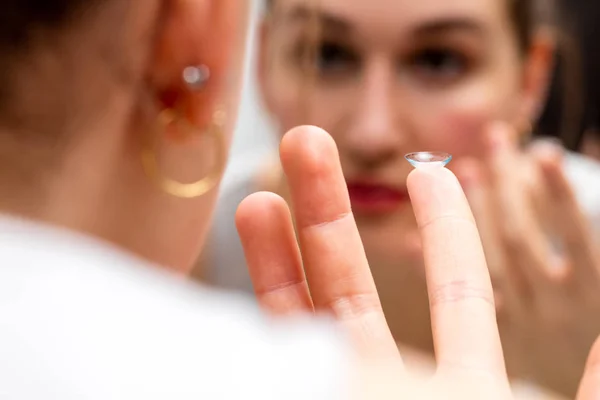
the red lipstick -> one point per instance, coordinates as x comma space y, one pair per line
373, 198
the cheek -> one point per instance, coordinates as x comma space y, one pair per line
460, 130
282, 95
283, 104
460, 121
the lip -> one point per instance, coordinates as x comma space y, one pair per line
371, 198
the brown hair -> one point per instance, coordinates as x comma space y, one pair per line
23, 21
565, 111
46, 49
21, 18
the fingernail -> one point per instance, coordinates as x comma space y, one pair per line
551, 143
550, 149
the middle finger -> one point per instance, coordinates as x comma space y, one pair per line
334, 258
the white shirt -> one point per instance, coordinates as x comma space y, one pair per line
584, 175
81, 320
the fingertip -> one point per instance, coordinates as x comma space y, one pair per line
435, 193
547, 151
298, 134
314, 174
310, 145
257, 208
426, 182
549, 157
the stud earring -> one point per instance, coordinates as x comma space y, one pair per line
195, 77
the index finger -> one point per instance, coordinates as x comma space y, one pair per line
461, 299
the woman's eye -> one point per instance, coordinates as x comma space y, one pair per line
441, 65
331, 57
328, 59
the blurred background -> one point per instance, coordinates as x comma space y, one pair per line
255, 137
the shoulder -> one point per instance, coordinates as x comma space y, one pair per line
84, 321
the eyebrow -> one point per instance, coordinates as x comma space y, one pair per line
302, 14
445, 25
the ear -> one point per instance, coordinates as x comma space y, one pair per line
194, 33
537, 75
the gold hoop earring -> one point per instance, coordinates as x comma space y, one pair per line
202, 186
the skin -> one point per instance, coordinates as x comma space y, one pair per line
386, 96
311, 260
548, 288
99, 187
102, 167
394, 77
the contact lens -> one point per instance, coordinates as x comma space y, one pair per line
428, 159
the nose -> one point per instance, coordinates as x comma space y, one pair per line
372, 135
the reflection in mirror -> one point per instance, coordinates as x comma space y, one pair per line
387, 78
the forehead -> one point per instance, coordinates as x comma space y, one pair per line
401, 16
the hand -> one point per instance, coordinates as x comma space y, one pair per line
324, 269
549, 288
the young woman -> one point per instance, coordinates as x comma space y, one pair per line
96, 95
389, 77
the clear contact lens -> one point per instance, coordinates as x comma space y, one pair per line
428, 159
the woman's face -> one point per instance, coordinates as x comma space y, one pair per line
390, 77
